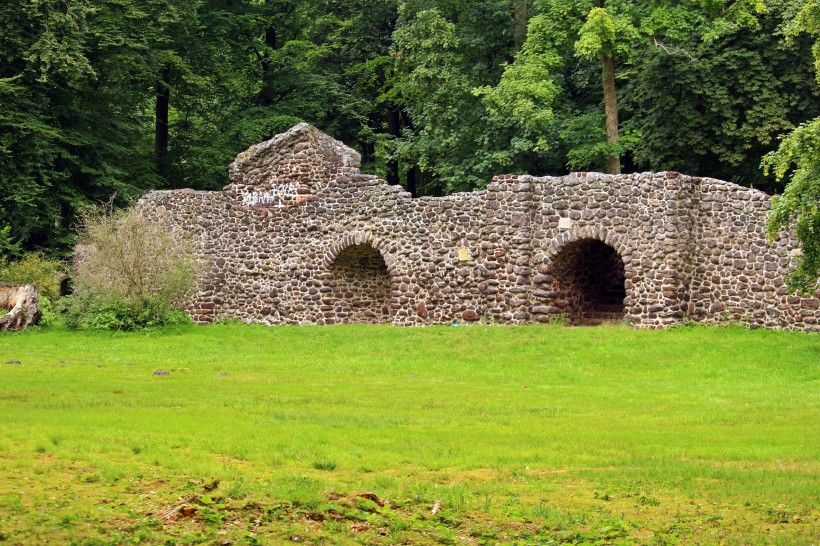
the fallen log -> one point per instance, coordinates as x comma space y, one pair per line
22, 303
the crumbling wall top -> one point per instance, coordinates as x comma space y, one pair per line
288, 168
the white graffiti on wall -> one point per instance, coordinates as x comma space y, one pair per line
276, 196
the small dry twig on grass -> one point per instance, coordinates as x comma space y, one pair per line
372, 497
178, 512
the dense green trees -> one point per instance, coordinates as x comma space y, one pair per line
119, 96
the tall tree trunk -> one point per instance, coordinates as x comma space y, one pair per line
394, 130
271, 42
613, 162
411, 181
367, 151
163, 92
413, 173
520, 16
265, 97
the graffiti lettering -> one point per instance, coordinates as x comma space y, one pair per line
275, 196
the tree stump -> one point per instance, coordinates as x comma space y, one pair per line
22, 303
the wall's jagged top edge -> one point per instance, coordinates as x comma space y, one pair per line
301, 132
260, 166
301, 140
716, 183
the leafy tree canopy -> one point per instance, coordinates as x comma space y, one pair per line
121, 96
798, 160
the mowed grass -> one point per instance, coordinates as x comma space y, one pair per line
367, 434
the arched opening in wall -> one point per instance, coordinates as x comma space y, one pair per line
360, 287
590, 275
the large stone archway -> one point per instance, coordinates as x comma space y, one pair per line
592, 275
589, 276
358, 286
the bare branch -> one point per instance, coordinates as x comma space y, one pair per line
728, 9
671, 50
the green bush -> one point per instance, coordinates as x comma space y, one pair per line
89, 314
130, 274
70, 312
34, 268
47, 313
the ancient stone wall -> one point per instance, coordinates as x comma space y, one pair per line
299, 237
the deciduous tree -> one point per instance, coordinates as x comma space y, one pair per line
798, 160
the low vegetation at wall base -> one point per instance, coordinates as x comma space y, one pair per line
129, 274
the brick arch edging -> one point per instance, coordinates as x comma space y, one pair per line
364, 238
361, 238
607, 237
598, 233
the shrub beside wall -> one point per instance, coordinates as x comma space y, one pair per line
129, 273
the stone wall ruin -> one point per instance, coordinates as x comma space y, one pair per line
300, 237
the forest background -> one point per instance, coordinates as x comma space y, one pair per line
104, 97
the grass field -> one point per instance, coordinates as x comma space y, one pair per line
381, 435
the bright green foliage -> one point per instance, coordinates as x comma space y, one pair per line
526, 92
56, 49
84, 313
433, 88
807, 21
799, 207
636, 35
7, 246
436, 74
48, 315
605, 32
798, 158
34, 268
585, 138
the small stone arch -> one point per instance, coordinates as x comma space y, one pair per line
359, 283
592, 273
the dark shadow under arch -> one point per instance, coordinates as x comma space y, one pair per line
360, 285
589, 275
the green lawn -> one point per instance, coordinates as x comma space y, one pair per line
531, 434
